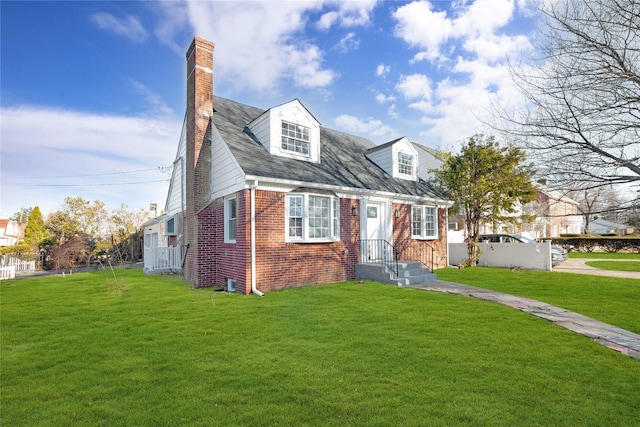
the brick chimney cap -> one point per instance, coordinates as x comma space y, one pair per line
201, 43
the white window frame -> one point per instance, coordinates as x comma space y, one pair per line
304, 215
405, 164
230, 222
426, 215
295, 135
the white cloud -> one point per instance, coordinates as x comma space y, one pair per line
348, 14
259, 45
392, 112
483, 17
414, 86
371, 127
156, 105
382, 70
381, 98
80, 146
129, 26
421, 27
348, 43
470, 46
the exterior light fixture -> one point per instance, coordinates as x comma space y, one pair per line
397, 213
354, 210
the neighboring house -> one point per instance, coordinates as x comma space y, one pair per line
602, 226
263, 200
9, 232
555, 213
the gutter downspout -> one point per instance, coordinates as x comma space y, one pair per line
446, 216
252, 191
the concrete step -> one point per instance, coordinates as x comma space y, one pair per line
409, 273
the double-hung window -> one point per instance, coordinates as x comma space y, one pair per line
312, 218
405, 164
230, 219
295, 138
424, 222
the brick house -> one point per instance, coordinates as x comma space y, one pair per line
262, 200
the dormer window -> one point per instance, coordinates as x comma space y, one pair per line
295, 138
398, 158
288, 130
405, 164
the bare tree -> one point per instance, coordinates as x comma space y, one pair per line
582, 120
599, 201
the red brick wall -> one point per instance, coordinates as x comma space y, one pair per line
402, 234
283, 265
279, 264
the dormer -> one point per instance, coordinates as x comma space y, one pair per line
289, 130
398, 158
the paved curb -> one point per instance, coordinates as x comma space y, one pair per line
610, 336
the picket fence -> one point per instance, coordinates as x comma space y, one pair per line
9, 265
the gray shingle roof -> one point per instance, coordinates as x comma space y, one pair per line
342, 156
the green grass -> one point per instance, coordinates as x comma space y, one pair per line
608, 299
615, 265
151, 351
604, 255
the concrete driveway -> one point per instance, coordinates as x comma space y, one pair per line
577, 265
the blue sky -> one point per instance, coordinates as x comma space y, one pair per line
93, 93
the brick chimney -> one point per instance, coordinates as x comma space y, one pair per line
199, 111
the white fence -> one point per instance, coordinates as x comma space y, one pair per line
167, 258
20, 265
527, 256
8, 272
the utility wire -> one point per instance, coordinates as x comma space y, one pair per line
161, 169
84, 185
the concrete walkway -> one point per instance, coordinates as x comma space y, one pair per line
578, 265
617, 339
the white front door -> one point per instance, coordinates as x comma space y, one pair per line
375, 247
374, 221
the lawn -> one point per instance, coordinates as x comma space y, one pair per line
608, 299
148, 350
615, 265
604, 255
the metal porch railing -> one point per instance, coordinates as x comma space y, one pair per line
379, 251
416, 250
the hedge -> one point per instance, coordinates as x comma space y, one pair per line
590, 244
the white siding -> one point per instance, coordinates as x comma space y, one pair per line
426, 161
383, 158
260, 128
226, 175
176, 194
